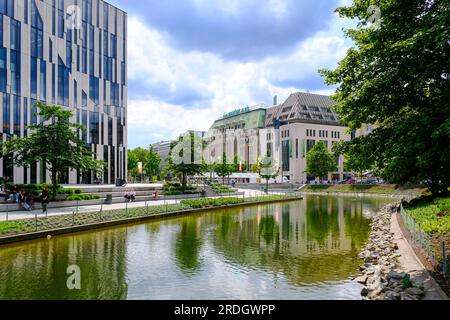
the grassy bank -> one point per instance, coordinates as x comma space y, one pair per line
433, 214
373, 189
85, 218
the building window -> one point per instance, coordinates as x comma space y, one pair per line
15, 72
285, 153
309, 145
15, 35
6, 113
94, 127
16, 115
7, 7
1, 30
43, 81
33, 79
3, 70
63, 84
84, 61
75, 94
61, 24
94, 89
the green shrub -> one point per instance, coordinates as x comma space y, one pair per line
432, 214
205, 203
82, 197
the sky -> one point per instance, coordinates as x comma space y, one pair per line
190, 61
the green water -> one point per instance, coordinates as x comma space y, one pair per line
298, 250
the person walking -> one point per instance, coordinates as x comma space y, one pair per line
45, 199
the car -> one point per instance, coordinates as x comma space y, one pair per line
286, 180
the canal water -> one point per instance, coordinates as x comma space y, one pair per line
296, 250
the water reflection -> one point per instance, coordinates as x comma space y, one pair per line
298, 250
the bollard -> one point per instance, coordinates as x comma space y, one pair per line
444, 258
35, 221
73, 218
77, 206
101, 211
146, 209
7, 213
126, 208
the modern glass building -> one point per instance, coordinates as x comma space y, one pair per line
71, 53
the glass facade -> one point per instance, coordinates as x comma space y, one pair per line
77, 69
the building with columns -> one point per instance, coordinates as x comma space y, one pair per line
71, 53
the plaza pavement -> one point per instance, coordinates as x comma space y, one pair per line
20, 215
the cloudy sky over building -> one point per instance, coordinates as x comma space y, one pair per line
192, 60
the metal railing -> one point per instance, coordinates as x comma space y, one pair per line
435, 250
80, 214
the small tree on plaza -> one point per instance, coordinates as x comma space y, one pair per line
268, 169
186, 157
320, 161
56, 143
223, 168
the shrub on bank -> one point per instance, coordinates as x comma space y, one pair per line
209, 202
433, 214
82, 197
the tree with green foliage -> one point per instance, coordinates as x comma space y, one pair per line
186, 157
153, 162
397, 77
353, 160
238, 164
268, 169
54, 142
320, 161
149, 158
223, 169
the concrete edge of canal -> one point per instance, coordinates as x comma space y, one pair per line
358, 194
114, 223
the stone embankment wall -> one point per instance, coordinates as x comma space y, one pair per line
381, 272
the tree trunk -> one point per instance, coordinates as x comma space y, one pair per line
184, 181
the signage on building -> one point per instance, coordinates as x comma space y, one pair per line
236, 112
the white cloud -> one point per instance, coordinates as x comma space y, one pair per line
227, 84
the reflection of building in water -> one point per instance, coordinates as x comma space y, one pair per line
101, 256
316, 239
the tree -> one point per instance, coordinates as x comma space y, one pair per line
320, 161
397, 77
238, 164
223, 169
268, 169
186, 157
354, 161
152, 162
56, 143
149, 158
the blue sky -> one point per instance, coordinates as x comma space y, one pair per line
192, 60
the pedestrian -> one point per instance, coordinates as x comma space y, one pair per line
45, 199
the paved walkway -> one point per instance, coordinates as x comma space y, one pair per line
20, 215
411, 264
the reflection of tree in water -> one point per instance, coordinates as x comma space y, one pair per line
322, 220
38, 270
188, 245
357, 226
273, 244
268, 229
